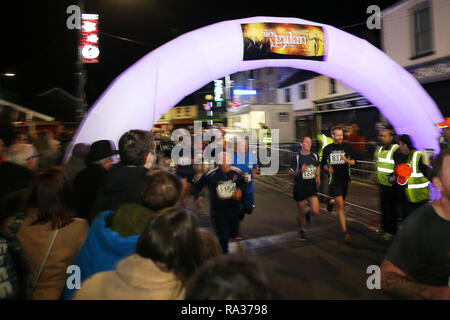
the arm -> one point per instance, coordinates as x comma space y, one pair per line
398, 282
426, 170
318, 175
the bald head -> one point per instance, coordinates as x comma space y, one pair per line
24, 155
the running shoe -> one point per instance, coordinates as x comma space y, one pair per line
303, 237
330, 206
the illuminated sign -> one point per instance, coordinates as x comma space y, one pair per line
242, 92
218, 90
283, 41
89, 38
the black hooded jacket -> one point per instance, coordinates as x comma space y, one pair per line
123, 184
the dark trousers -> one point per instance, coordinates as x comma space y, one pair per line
226, 225
388, 209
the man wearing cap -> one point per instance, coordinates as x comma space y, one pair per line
417, 266
384, 156
444, 140
88, 182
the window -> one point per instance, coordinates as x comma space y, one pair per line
283, 116
287, 95
332, 86
303, 91
272, 93
422, 29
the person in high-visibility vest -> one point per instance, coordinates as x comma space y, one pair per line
322, 141
384, 156
411, 191
444, 140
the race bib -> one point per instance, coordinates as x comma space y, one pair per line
226, 190
335, 158
309, 173
247, 177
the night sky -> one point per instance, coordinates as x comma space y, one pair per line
41, 51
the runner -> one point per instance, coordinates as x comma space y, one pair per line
248, 164
337, 159
305, 169
226, 186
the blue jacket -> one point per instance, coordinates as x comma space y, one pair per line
102, 250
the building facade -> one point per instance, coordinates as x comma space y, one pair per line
415, 33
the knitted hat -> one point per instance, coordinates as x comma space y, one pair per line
403, 172
130, 219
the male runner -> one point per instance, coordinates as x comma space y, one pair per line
226, 186
337, 159
306, 171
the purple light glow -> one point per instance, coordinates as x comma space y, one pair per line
159, 80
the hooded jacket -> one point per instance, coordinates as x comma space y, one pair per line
102, 250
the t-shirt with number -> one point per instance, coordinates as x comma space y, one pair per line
222, 186
308, 176
332, 156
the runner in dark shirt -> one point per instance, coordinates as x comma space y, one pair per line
306, 171
336, 160
226, 185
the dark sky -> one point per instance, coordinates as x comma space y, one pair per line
37, 46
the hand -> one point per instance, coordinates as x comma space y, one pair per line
292, 173
317, 181
438, 293
343, 157
237, 195
198, 203
304, 167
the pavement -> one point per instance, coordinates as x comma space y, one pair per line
324, 267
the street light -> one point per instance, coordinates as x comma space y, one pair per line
9, 74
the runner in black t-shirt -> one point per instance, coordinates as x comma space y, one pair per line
336, 160
226, 185
306, 170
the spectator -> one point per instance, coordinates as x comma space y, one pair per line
125, 180
16, 281
88, 182
230, 277
417, 264
444, 139
21, 137
411, 177
48, 148
113, 234
77, 162
7, 129
210, 245
2, 152
168, 253
50, 234
18, 170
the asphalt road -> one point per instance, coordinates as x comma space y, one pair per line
323, 268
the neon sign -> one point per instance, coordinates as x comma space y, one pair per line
89, 38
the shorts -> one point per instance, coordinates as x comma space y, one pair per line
189, 176
339, 189
303, 192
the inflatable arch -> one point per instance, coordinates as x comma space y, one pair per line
159, 80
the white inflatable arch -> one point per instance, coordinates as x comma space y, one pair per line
159, 80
